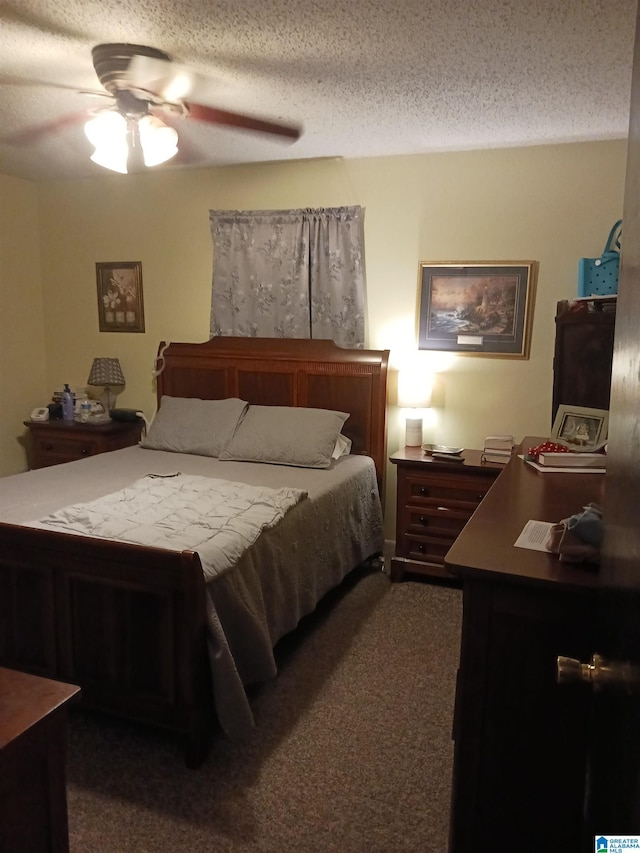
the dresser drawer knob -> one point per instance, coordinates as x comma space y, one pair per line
420, 547
84, 451
424, 490
423, 519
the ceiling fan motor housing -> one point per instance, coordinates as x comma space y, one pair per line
111, 62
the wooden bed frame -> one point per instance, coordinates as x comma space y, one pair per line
127, 623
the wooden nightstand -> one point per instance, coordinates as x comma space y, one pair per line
53, 442
435, 499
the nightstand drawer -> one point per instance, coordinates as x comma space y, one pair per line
57, 449
436, 520
430, 534
450, 492
426, 549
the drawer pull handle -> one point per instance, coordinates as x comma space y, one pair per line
424, 490
84, 451
423, 519
421, 547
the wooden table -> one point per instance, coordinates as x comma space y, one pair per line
33, 793
520, 738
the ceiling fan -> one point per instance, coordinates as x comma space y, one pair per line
148, 91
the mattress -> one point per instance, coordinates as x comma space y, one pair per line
276, 582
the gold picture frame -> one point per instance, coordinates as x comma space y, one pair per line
120, 301
476, 307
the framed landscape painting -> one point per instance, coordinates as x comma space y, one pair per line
476, 307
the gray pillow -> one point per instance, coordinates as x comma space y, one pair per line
285, 435
191, 425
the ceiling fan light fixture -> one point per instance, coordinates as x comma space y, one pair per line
106, 128
111, 158
159, 142
107, 132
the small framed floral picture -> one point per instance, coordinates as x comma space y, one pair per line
120, 304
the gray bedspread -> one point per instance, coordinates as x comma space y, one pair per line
216, 518
276, 582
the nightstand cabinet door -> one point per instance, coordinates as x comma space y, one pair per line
434, 502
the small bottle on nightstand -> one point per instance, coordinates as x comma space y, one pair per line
67, 404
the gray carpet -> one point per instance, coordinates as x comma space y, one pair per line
352, 751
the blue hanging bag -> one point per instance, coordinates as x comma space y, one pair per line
599, 276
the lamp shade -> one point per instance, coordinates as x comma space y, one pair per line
107, 132
159, 142
414, 392
106, 371
414, 389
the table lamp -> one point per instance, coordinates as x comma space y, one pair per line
414, 392
108, 373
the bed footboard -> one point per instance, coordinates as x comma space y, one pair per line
125, 622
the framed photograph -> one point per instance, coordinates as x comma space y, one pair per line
477, 307
579, 428
120, 304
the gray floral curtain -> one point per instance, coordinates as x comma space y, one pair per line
289, 274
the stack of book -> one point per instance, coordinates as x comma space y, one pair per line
498, 448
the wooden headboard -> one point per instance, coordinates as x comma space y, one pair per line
287, 372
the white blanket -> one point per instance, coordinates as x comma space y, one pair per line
216, 518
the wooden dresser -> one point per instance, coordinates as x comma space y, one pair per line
435, 499
520, 738
53, 442
583, 353
33, 789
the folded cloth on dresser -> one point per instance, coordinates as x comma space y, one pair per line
577, 539
216, 518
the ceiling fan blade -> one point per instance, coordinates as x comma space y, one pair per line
14, 80
34, 82
32, 135
216, 116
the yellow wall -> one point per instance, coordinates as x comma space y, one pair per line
553, 204
22, 353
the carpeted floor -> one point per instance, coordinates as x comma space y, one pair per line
352, 751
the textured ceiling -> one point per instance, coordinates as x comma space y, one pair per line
362, 78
